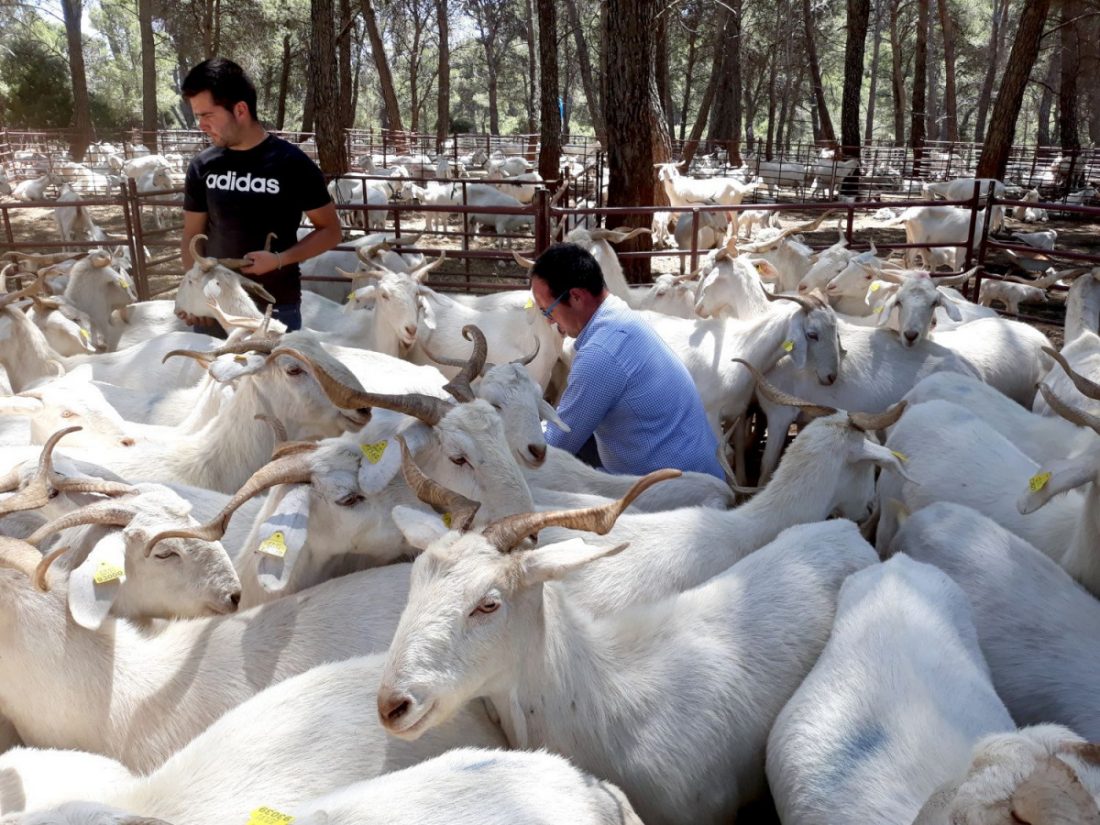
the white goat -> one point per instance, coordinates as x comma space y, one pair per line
1040, 240
31, 191
1010, 294
944, 228
1038, 629
157, 179
73, 222
893, 707
1030, 214
527, 657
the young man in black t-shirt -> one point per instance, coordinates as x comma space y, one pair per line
250, 183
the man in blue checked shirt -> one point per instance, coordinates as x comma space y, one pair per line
626, 386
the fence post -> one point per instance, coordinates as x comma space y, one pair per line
131, 209
694, 238
541, 202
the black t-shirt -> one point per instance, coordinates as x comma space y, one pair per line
247, 194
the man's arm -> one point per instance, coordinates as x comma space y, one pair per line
325, 235
595, 383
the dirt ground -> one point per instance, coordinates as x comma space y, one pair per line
38, 224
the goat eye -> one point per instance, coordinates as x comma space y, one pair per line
294, 371
459, 461
167, 554
497, 407
349, 500
53, 493
68, 414
486, 606
812, 336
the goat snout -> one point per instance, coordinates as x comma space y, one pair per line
830, 379
410, 331
911, 335
392, 706
538, 453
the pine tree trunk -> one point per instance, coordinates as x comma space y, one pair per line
381, 64
1002, 123
308, 104
950, 103
996, 46
550, 118
920, 67
859, 13
1091, 65
897, 75
664, 93
1046, 102
584, 63
692, 37
284, 84
1068, 127
828, 134
633, 114
532, 68
148, 75
725, 114
872, 91
443, 101
332, 153
713, 83
82, 117
343, 46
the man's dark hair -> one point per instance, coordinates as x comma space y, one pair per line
226, 82
565, 266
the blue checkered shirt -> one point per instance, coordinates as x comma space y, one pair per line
629, 389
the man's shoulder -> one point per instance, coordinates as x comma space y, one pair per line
286, 150
207, 156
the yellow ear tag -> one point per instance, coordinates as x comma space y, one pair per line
268, 816
273, 545
240, 359
107, 572
351, 296
87, 336
788, 346
878, 309
876, 286
447, 520
530, 304
902, 457
1038, 481
122, 283
373, 452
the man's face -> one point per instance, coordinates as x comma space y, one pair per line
564, 316
225, 127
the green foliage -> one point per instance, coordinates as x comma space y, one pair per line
32, 98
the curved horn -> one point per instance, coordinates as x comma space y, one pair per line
102, 512
431, 492
1087, 388
419, 274
205, 264
777, 396
504, 534
810, 226
1071, 414
31, 289
293, 468
19, 555
257, 345
807, 304
526, 263
869, 422
523, 362
460, 384
233, 263
271, 238
631, 233
252, 286
38, 575
37, 491
364, 253
277, 426
427, 408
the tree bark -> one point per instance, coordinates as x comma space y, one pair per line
1091, 65
584, 63
1046, 102
1068, 127
381, 64
633, 115
713, 83
148, 75
996, 45
664, 92
950, 103
692, 37
1002, 123
308, 104
331, 148
443, 100
343, 46
284, 84
859, 13
828, 134
872, 92
920, 67
897, 75
725, 115
550, 118
82, 117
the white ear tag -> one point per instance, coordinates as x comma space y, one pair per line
282, 537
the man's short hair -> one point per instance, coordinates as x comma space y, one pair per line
226, 82
566, 266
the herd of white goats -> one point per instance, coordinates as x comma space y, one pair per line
208, 617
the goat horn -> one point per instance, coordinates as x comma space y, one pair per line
293, 468
277, 426
92, 485
1071, 414
526, 263
271, 237
258, 345
786, 233
472, 368
102, 512
418, 274
12, 297
523, 362
431, 492
19, 555
37, 491
869, 422
504, 534
203, 262
252, 286
807, 304
427, 408
38, 575
628, 233
233, 263
777, 396
1087, 388
364, 253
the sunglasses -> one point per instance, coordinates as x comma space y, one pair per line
550, 309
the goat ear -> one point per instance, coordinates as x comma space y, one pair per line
419, 527
949, 307
864, 449
555, 561
427, 314
1057, 477
548, 413
281, 539
795, 345
95, 584
381, 460
887, 308
228, 368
